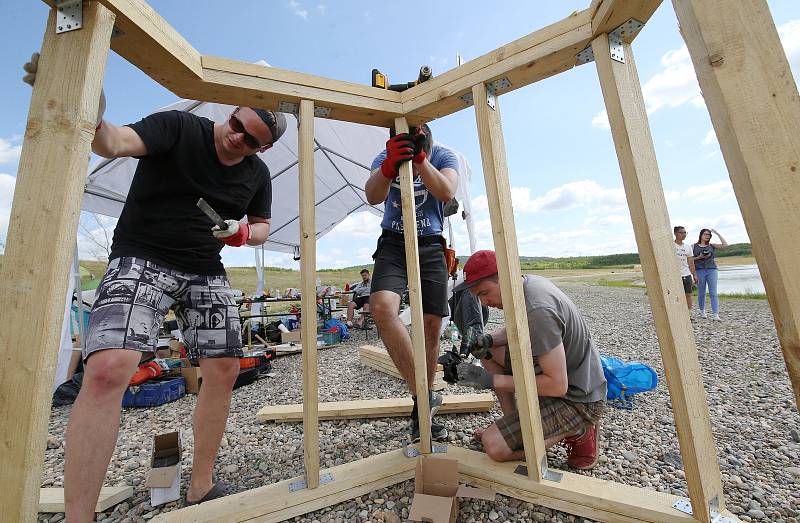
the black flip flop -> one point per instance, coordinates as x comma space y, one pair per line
217, 491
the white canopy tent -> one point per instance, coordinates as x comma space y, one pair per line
343, 154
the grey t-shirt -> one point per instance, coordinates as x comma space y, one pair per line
554, 319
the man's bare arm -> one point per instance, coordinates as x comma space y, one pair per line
441, 184
111, 141
259, 229
377, 187
552, 381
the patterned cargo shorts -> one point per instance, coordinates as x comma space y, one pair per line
135, 295
559, 416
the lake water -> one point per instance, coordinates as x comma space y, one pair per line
739, 279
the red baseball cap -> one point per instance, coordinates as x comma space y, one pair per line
480, 265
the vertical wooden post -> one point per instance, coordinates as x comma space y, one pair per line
415, 295
637, 160
308, 292
752, 98
41, 239
498, 193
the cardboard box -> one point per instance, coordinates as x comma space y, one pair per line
290, 337
193, 377
164, 478
436, 491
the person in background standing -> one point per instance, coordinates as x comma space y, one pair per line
686, 263
705, 255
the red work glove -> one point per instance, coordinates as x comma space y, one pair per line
235, 235
419, 138
399, 149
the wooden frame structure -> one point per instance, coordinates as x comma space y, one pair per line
755, 109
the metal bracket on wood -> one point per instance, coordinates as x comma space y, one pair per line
492, 91
413, 452
69, 16
293, 108
685, 506
549, 475
623, 33
585, 56
300, 484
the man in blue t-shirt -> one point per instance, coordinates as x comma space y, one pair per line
435, 170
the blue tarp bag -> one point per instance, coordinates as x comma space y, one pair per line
330, 324
626, 379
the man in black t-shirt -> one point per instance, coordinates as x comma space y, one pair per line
165, 255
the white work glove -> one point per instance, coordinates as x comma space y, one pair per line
30, 78
235, 235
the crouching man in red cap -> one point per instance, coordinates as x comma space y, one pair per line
569, 376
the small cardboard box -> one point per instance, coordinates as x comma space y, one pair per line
436, 491
164, 478
193, 377
290, 337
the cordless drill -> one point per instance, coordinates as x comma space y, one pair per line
381, 81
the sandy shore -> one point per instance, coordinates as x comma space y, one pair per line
755, 423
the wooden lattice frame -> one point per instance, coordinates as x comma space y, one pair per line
753, 102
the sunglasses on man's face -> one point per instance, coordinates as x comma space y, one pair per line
237, 127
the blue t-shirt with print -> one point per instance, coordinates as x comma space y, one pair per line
430, 216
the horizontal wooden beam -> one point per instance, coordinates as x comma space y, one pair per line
379, 408
610, 14
576, 494
150, 43
51, 499
529, 59
277, 502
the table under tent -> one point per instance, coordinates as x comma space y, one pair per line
343, 155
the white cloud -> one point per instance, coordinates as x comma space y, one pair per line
790, 38
322, 9
357, 225
676, 84
713, 192
297, 9
584, 193
9, 153
711, 138
601, 120
7, 184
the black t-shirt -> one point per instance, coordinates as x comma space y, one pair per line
161, 221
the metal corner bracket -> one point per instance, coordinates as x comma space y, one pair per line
301, 484
69, 16
293, 108
685, 506
413, 452
493, 90
617, 38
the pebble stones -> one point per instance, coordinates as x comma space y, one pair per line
755, 427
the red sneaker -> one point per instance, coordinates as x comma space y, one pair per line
582, 450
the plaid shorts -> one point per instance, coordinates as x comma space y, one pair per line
135, 295
559, 416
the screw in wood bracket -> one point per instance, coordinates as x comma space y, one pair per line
585, 56
413, 452
623, 33
293, 108
685, 506
301, 484
69, 16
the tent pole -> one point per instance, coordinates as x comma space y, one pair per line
79, 294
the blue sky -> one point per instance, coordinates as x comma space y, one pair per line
567, 192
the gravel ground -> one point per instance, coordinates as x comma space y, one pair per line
743, 372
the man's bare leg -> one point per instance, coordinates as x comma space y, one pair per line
495, 446
385, 308
508, 402
351, 309
362, 318
210, 417
689, 301
93, 429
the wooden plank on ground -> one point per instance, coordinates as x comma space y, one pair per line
637, 160
51, 499
378, 359
378, 408
501, 213
277, 502
578, 494
285, 349
40, 245
755, 108
308, 300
